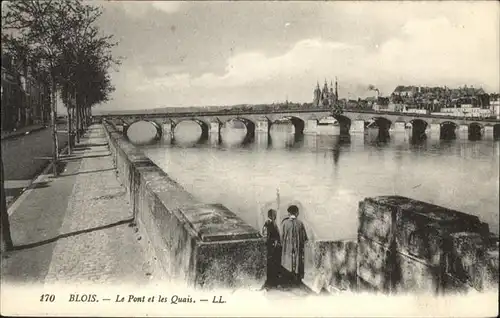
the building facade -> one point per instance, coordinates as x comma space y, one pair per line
25, 99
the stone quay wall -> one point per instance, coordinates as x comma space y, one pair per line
202, 245
405, 245
330, 266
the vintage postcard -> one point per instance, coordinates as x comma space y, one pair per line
250, 158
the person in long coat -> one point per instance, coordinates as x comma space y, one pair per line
273, 242
294, 237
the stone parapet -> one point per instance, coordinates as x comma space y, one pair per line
406, 245
203, 245
330, 265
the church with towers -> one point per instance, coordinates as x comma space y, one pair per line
325, 97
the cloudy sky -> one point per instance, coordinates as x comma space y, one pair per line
224, 53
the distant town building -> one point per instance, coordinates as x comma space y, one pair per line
434, 98
380, 103
326, 97
405, 91
495, 105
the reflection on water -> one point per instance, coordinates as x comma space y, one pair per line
329, 175
233, 137
187, 133
141, 133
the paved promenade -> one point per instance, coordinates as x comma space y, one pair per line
76, 227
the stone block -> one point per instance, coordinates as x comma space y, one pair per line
330, 265
262, 125
410, 274
399, 127
452, 285
472, 261
434, 130
491, 279
215, 127
383, 270
215, 223
311, 127
357, 127
489, 132
419, 229
231, 264
374, 264
376, 221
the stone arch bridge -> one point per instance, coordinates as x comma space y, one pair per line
307, 121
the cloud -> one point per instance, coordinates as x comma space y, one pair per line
139, 9
255, 67
167, 6
436, 50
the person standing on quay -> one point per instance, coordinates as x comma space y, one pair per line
271, 232
294, 237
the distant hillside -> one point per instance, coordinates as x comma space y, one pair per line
160, 110
198, 108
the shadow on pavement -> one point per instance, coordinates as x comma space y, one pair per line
110, 196
285, 281
51, 240
87, 146
13, 193
82, 157
85, 172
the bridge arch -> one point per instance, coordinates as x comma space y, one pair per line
182, 124
248, 124
475, 130
496, 131
297, 122
448, 130
418, 127
142, 131
383, 125
344, 123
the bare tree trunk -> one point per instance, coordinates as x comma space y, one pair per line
88, 116
86, 110
84, 115
75, 127
42, 110
55, 144
82, 110
70, 128
80, 119
5, 237
77, 115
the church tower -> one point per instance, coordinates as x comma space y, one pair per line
317, 96
336, 90
325, 95
331, 96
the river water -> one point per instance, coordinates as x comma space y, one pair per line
329, 175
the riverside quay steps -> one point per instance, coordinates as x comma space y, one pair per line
403, 245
